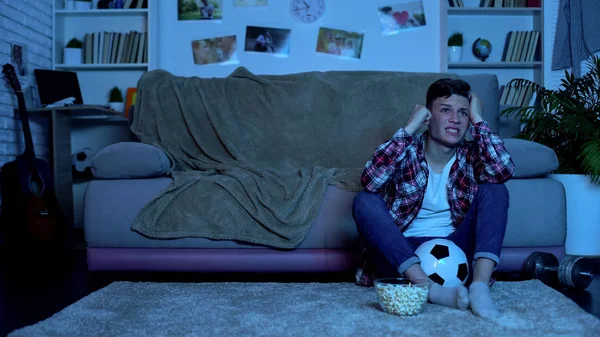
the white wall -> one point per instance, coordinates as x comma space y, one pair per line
28, 23
414, 50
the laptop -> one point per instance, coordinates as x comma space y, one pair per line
55, 85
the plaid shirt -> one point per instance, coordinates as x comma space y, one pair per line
399, 168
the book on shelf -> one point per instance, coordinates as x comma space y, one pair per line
456, 3
130, 4
115, 47
511, 94
510, 3
521, 46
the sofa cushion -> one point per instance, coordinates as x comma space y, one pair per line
531, 159
485, 86
130, 160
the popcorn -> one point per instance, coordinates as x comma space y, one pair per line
405, 300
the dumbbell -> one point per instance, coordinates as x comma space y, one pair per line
573, 271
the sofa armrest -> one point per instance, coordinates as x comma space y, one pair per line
130, 160
532, 160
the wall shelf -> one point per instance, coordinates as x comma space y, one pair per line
105, 66
494, 64
493, 11
110, 12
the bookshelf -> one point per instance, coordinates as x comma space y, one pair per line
481, 19
101, 68
96, 79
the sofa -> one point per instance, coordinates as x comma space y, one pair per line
130, 175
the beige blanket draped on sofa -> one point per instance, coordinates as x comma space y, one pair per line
253, 155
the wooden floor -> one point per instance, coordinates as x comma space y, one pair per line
39, 288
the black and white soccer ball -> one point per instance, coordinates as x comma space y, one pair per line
444, 262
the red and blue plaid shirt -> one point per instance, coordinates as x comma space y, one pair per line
399, 167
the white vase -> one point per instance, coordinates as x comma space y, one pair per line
117, 106
454, 53
83, 5
95, 4
72, 56
70, 4
583, 214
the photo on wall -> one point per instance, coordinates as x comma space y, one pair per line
217, 50
340, 42
199, 10
17, 59
268, 40
400, 16
250, 3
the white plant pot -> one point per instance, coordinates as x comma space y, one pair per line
72, 56
117, 106
583, 214
83, 5
454, 53
69, 4
95, 4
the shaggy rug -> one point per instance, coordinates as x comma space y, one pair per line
303, 309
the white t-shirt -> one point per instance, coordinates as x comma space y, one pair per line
434, 218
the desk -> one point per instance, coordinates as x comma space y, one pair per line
60, 123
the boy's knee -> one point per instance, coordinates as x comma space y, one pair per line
494, 190
362, 201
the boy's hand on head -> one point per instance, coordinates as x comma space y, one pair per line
475, 109
420, 116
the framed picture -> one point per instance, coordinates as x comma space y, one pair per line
199, 10
130, 100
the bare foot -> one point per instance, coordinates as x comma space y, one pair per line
453, 297
481, 301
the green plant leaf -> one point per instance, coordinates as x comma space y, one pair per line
566, 119
590, 157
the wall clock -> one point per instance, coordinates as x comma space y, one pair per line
307, 11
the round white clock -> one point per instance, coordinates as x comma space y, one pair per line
307, 11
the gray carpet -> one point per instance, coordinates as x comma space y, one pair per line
303, 309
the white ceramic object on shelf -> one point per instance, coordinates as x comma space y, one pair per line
583, 214
83, 5
117, 106
70, 4
454, 53
72, 56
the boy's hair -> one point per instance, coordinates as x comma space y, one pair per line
445, 87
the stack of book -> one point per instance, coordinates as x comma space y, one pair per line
521, 46
115, 47
510, 3
511, 94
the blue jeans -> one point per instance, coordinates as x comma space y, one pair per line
479, 235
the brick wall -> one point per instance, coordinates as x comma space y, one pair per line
27, 23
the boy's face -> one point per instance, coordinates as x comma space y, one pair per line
449, 120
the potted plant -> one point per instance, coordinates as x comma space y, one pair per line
82, 5
69, 4
455, 46
115, 99
567, 120
73, 52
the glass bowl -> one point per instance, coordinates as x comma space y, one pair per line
401, 296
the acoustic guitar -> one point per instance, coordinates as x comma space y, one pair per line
31, 213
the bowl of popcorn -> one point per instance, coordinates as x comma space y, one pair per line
401, 296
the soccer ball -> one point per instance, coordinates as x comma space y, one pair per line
444, 262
